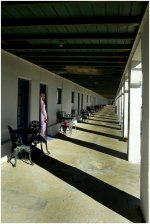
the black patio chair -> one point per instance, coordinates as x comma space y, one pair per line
18, 147
84, 116
36, 137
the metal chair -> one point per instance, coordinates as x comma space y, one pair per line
36, 137
67, 126
84, 116
18, 147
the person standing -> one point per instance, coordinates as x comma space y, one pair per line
44, 117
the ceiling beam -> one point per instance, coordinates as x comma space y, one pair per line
67, 36
113, 74
108, 70
25, 47
85, 64
74, 54
79, 60
100, 21
97, 77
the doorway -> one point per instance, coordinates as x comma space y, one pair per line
82, 101
23, 106
43, 89
78, 103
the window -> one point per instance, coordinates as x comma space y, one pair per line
59, 94
72, 97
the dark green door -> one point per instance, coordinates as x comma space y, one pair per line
23, 106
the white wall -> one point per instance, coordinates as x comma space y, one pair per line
145, 144
12, 68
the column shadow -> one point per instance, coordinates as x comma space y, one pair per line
113, 122
106, 117
101, 133
101, 125
117, 200
93, 146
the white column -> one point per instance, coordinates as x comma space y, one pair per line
117, 106
122, 106
115, 103
119, 100
125, 116
145, 144
134, 141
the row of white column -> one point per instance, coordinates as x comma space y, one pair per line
132, 107
129, 105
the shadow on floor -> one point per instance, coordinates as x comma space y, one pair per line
106, 117
100, 125
100, 133
93, 146
112, 122
111, 197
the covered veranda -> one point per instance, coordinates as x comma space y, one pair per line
81, 54
86, 178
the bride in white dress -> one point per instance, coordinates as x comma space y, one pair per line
44, 118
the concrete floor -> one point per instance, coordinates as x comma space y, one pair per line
86, 178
